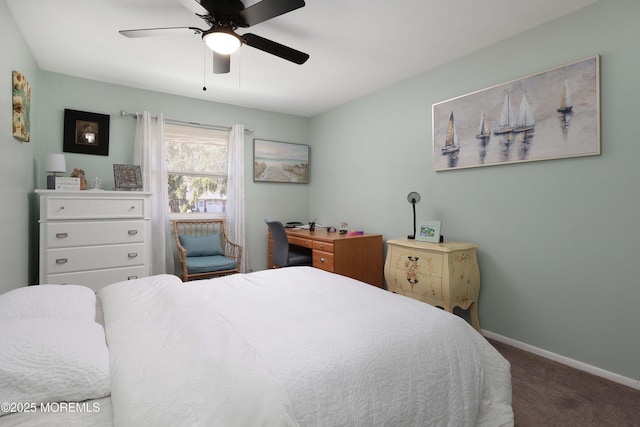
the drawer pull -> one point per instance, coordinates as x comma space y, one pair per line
132, 277
132, 208
133, 232
62, 261
62, 235
322, 259
132, 254
61, 208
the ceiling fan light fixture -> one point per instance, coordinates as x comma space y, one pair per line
222, 42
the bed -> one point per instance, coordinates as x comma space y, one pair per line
286, 347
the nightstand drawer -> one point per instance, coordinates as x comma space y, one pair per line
65, 260
323, 260
67, 234
93, 207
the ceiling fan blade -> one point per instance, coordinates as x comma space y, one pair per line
267, 9
274, 48
195, 7
168, 31
221, 7
221, 63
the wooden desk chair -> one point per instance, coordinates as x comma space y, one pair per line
204, 249
283, 256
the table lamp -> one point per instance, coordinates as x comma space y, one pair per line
413, 198
54, 164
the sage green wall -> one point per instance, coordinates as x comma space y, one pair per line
262, 200
559, 241
17, 162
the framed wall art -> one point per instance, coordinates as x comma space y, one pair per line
428, 231
86, 133
21, 93
127, 177
275, 161
549, 115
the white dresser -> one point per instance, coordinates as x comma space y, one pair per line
94, 238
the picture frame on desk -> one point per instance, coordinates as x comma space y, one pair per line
428, 231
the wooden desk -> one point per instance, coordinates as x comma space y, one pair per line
358, 257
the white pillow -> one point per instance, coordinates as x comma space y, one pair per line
52, 360
48, 301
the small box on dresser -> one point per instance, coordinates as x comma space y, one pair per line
94, 238
441, 274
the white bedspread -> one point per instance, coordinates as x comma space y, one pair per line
295, 345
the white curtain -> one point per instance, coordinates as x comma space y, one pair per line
149, 153
235, 194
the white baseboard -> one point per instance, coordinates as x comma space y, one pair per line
611, 376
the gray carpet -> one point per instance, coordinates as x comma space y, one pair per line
547, 393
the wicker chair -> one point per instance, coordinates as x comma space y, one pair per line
204, 249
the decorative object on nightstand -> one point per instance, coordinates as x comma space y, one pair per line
441, 274
54, 164
413, 198
429, 231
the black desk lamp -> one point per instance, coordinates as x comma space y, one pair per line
413, 198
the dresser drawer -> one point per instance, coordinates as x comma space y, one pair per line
84, 233
70, 207
299, 241
65, 260
323, 260
323, 246
97, 279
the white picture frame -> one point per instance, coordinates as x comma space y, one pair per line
428, 231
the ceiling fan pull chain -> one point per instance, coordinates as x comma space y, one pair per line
204, 67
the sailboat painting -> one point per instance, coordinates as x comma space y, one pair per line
518, 120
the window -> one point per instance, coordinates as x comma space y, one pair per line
197, 160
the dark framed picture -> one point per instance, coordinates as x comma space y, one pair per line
86, 133
275, 161
127, 177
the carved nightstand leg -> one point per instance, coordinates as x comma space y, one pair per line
473, 311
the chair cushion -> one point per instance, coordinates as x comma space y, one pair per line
201, 245
206, 264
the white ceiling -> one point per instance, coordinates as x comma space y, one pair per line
356, 46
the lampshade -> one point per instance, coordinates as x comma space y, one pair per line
55, 163
222, 42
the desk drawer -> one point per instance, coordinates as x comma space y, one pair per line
299, 241
323, 260
323, 246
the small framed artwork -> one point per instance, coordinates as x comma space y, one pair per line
280, 162
127, 177
86, 133
429, 231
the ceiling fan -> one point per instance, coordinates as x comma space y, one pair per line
223, 18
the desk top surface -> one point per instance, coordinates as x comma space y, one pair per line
323, 234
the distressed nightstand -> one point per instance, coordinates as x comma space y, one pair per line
441, 274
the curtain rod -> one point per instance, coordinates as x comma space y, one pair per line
180, 122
